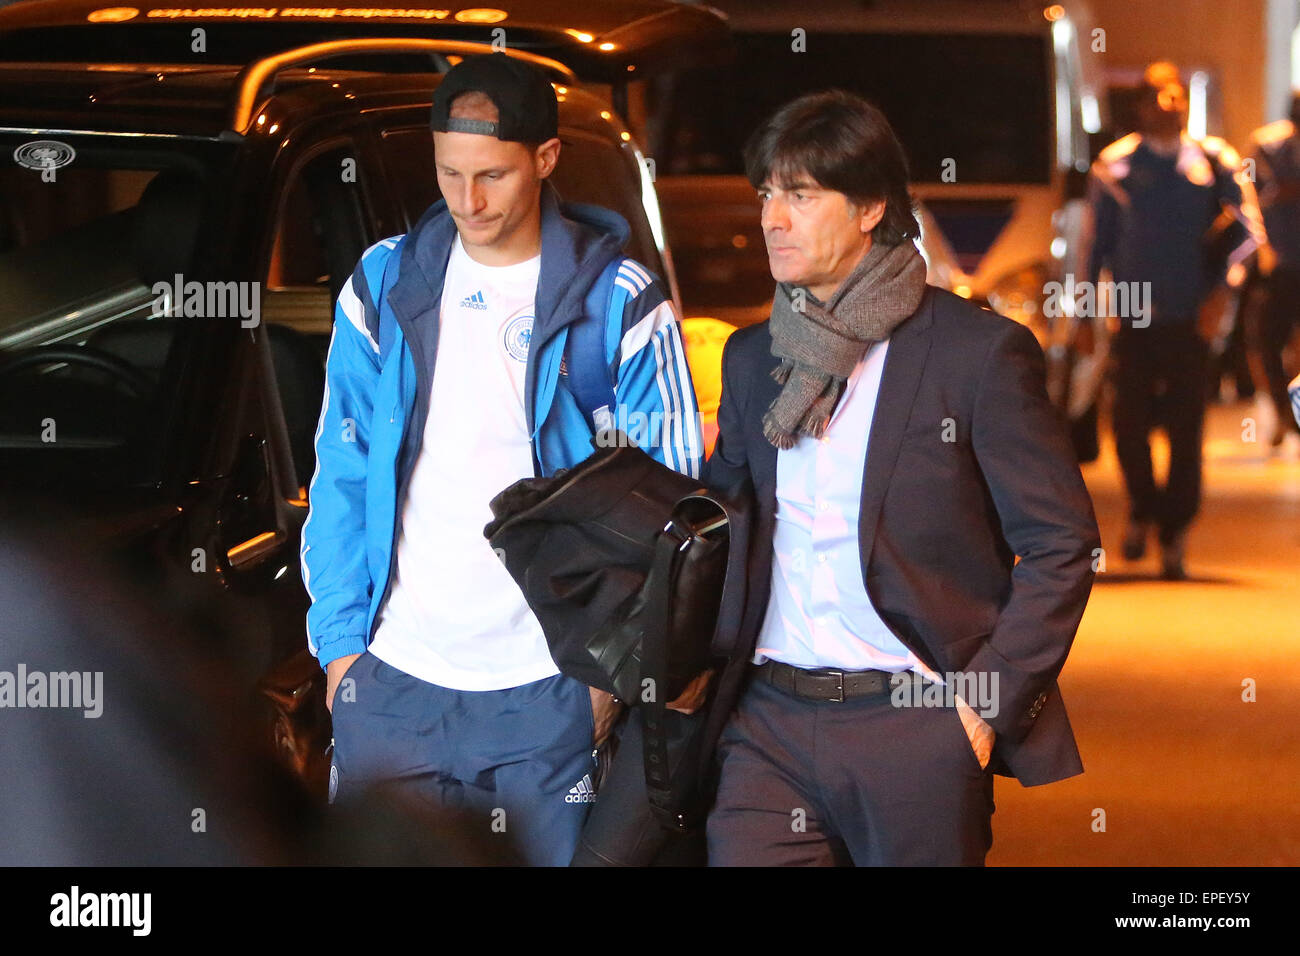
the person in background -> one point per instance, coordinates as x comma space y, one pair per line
1155, 197
1275, 149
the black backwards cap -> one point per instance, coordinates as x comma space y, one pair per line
524, 98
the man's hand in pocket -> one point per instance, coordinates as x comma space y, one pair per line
692, 698
334, 672
980, 734
604, 712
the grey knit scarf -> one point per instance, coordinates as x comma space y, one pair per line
822, 344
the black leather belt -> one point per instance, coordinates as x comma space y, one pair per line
825, 683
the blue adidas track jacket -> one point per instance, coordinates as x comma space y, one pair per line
379, 374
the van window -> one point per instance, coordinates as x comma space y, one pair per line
84, 343
320, 233
982, 100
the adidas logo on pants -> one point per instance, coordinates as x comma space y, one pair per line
582, 791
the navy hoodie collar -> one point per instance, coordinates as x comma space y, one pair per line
578, 240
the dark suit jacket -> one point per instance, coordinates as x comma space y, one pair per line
942, 522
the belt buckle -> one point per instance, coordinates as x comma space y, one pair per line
839, 688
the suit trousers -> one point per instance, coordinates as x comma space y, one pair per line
859, 782
1160, 378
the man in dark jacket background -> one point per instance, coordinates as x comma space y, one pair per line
1155, 196
1275, 149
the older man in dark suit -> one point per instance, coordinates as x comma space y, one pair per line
924, 544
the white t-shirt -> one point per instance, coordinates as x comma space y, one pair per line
454, 616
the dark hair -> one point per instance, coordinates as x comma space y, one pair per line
843, 143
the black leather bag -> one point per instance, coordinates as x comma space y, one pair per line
625, 562
615, 549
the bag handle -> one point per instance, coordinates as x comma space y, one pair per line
668, 801
671, 544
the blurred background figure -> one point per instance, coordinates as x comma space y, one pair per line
161, 759
145, 775
1175, 221
1275, 149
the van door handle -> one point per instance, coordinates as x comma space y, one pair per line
254, 549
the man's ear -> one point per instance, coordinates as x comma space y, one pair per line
546, 156
871, 214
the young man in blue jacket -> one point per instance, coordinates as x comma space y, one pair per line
448, 379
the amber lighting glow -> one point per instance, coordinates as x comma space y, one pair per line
112, 14
481, 15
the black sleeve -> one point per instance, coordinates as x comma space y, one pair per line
1025, 455
727, 469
